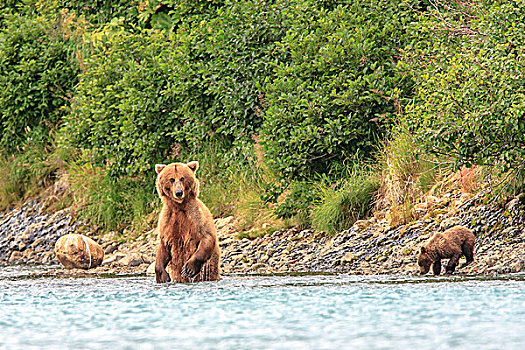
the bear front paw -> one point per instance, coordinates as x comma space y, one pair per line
191, 268
162, 276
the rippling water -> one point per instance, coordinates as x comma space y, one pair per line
256, 312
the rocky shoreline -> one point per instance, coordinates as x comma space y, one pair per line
28, 235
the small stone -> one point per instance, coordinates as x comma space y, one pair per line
518, 266
513, 204
131, 260
259, 266
109, 260
450, 222
110, 249
15, 256
28, 254
348, 258
361, 224
37, 242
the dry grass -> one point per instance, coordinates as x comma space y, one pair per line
406, 176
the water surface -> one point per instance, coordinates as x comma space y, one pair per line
262, 312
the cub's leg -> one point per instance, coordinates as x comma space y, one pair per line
452, 263
468, 250
436, 267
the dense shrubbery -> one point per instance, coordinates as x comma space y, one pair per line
37, 76
335, 90
468, 67
126, 109
147, 96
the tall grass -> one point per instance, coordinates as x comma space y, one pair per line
406, 175
341, 205
112, 204
26, 173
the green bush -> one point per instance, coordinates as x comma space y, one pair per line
37, 76
148, 96
335, 89
108, 202
235, 52
468, 70
26, 173
126, 113
341, 205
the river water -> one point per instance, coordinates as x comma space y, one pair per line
261, 312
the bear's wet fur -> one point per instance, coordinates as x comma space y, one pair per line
188, 249
451, 244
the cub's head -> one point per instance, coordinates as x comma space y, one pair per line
424, 261
177, 182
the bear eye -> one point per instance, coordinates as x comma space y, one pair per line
172, 180
181, 179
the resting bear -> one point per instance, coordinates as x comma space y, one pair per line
450, 244
188, 249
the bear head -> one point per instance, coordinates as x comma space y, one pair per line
176, 182
424, 261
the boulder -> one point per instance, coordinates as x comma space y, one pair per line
131, 260
151, 269
78, 251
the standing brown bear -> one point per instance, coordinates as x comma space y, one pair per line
450, 244
188, 246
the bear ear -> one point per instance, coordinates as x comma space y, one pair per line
423, 250
159, 167
193, 165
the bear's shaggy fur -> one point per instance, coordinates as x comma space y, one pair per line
188, 249
450, 244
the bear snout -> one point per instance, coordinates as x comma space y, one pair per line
179, 193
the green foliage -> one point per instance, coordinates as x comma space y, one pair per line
469, 75
127, 104
108, 202
37, 76
24, 174
147, 97
234, 53
406, 172
100, 11
170, 15
335, 89
297, 201
343, 204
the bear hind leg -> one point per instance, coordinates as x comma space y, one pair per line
468, 250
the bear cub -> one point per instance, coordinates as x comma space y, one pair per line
450, 244
188, 249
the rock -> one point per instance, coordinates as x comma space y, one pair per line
131, 260
513, 204
361, 224
450, 222
15, 256
348, 258
151, 269
78, 251
518, 266
38, 242
109, 260
221, 222
110, 249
